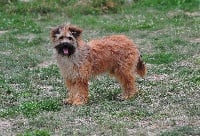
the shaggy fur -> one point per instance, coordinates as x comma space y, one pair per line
79, 61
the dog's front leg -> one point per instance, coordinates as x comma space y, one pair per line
77, 92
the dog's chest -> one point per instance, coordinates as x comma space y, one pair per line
68, 68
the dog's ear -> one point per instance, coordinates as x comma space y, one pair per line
55, 32
76, 31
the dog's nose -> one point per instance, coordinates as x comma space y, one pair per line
65, 43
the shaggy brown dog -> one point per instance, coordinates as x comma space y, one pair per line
78, 61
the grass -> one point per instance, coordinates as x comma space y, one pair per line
32, 90
185, 130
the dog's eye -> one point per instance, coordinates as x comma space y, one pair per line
70, 38
61, 37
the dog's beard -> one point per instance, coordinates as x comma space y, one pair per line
65, 49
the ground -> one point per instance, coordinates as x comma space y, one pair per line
32, 90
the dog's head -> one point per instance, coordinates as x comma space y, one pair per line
65, 39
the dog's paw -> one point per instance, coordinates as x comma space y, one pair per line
75, 102
67, 102
80, 100
123, 96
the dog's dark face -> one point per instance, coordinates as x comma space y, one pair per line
65, 39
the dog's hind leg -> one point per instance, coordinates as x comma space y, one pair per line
127, 81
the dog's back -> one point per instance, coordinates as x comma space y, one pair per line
116, 51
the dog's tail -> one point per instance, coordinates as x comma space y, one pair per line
141, 68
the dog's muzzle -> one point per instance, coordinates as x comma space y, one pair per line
65, 49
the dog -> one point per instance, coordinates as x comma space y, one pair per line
78, 61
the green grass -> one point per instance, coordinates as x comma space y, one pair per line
35, 133
32, 90
31, 108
